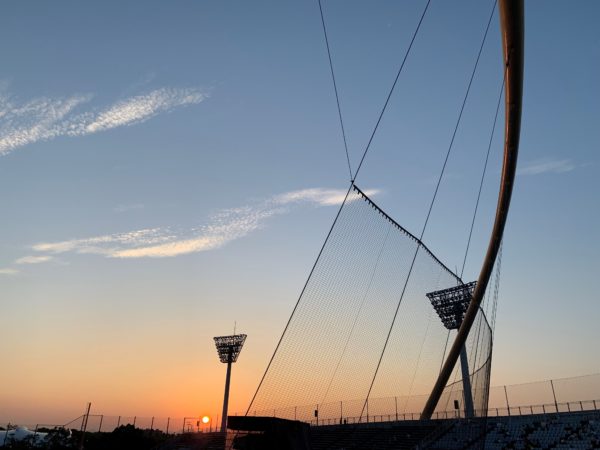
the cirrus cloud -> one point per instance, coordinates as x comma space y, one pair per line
33, 259
546, 165
222, 228
44, 119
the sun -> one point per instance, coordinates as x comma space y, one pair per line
205, 419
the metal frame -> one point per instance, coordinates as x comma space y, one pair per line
228, 348
512, 29
452, 303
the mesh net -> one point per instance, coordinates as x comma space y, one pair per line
364, 342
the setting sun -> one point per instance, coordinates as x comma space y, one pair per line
205, 419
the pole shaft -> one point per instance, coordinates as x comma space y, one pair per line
226, 397
84, 422
554, 395
466, 379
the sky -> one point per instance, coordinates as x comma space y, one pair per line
170, 170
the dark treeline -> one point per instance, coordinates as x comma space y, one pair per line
125, 437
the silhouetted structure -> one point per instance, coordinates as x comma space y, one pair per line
451, 305
270, 433
228, 348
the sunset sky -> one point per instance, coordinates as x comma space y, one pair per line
168, 169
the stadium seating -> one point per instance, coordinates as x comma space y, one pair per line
572, 431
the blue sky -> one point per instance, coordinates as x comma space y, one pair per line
176, 167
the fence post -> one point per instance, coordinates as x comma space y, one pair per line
581, 404
595, 405
168, 422
84, 422
341, 412
134, 418
8, 427
506, 396
100, 426
152, 424
396, 402
554, 395
118, 421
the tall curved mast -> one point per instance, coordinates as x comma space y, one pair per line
512, 29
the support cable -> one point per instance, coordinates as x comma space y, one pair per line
445, 348
436, 188
462, 108
337, 98
391, 89
496, 287
487, 157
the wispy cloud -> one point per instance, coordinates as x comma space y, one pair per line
43, 119
137, 109
320, 196
34, 259
8, 271
223, 227
125, 208
546, 165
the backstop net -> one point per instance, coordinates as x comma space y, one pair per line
364, 342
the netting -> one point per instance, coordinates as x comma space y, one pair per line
364, 341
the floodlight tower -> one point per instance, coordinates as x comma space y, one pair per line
228, 348
451, 305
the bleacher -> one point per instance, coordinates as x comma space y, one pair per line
399, 436
195, 441
563, 431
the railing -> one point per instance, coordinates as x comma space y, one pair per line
550, 408
542, 397
172, 425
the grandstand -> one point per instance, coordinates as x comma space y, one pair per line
565, 431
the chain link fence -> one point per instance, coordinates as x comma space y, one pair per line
549, 396
542, 397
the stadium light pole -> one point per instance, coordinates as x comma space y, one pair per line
228, 348
451, 305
